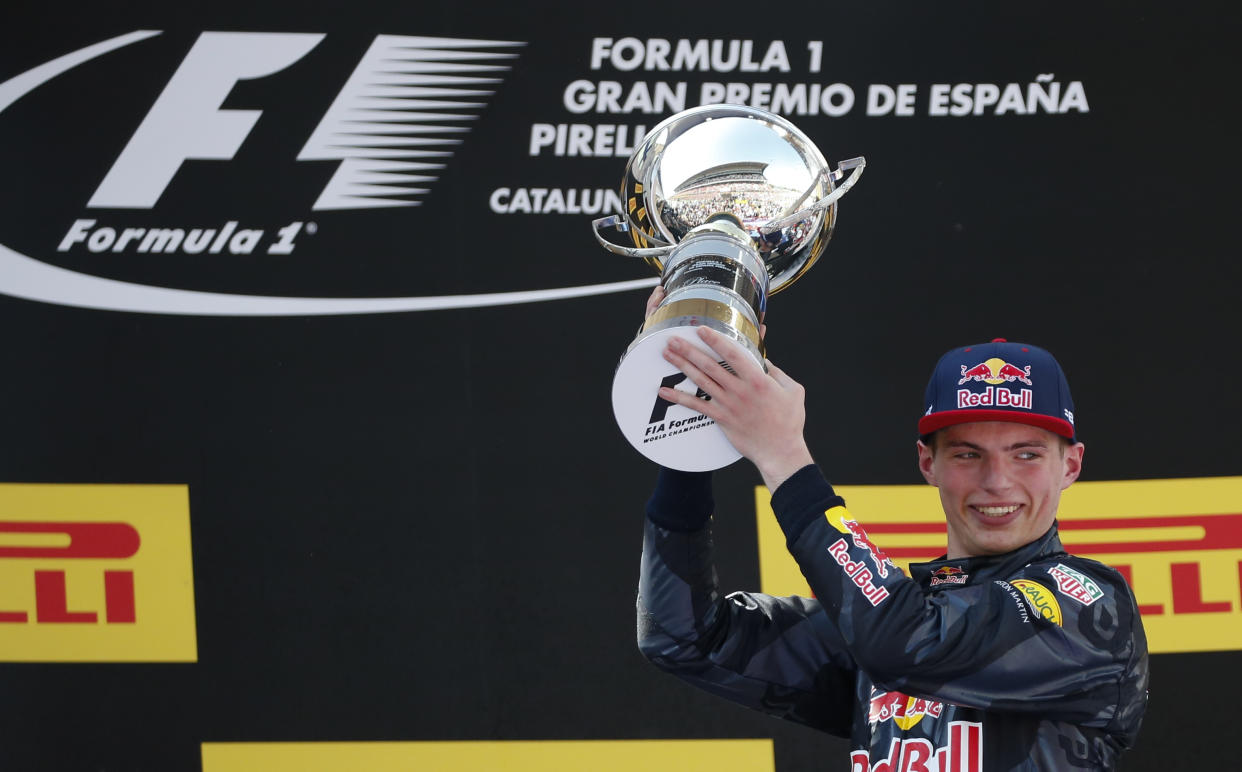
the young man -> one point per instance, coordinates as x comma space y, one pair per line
1005, 654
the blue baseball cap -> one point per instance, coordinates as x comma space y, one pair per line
999, 381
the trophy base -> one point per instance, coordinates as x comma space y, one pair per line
667, 433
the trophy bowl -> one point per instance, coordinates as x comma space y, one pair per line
730, 204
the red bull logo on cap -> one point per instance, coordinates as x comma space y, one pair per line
995, 396
996, 371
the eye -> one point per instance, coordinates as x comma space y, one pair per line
1029, 455
966, 455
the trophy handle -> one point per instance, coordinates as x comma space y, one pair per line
857, 164
622, 223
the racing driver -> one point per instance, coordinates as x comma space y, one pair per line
1005, 654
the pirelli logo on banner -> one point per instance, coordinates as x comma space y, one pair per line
452, 756
1178, 542
96, 573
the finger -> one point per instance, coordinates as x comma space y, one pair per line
778, 374
696, 377
763, 332
781, 377
654, 300
737, 357
708, 408
700, 369
708, 363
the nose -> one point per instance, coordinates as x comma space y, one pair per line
996, 474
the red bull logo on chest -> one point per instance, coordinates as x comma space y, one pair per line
901, 709
962, 752
948, 575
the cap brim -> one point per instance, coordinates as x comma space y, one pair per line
937, 421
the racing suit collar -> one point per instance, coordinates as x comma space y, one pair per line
943, 573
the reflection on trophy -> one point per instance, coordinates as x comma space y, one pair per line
729, 204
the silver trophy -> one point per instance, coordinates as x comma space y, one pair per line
729, 204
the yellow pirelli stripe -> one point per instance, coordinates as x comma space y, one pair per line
96, 573
1177, 541
519, 756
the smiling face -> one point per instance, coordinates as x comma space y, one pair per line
1000, 483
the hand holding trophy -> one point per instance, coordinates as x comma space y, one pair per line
729, 204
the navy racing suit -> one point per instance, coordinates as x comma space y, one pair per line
1030, 660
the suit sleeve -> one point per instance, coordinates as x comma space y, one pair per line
984, 645
778, 655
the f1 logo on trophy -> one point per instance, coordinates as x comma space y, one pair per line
729, 204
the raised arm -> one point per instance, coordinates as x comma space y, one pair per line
771, 654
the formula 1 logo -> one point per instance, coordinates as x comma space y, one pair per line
659, 410
402, 114
392, 125
95, 573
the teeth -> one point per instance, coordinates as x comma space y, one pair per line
998, 511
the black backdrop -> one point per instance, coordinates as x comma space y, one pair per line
425, 525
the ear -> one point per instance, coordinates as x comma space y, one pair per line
926, 465
1073, 464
